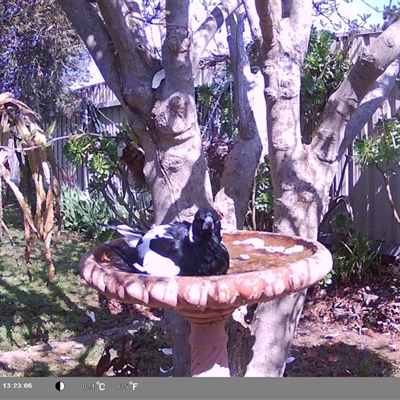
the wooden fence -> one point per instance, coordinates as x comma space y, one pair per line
365, 189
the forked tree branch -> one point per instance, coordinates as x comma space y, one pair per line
127, 33
370, 103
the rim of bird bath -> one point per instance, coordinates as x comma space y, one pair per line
255, 275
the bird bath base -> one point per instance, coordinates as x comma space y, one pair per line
286, 265
208, 349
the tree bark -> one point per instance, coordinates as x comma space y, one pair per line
177, 331
285, 39
372, 100
242, 161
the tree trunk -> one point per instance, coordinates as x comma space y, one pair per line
239, 345
177, 331
286, 33
242, 162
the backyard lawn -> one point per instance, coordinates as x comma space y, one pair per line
38, 318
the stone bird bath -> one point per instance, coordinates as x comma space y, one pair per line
287, 265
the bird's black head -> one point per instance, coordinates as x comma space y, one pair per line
206, 224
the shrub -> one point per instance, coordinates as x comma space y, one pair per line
353, 256
115, 166
83, 212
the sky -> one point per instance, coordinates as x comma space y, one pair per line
353, 9
349, 10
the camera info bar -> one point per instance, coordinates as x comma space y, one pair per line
66, 388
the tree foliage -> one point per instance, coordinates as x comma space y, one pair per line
382, 152
323, 71
41, 55
383, 147
353, 256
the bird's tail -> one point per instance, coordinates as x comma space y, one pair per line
132, 236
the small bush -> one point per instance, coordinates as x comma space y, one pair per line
83, 212
353, 257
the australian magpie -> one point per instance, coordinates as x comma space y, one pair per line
179, 248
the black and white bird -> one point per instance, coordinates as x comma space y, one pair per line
179, 248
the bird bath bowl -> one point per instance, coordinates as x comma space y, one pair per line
288, 264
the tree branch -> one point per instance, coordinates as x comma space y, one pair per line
370, 103
297, 9
267, 15
343, 103
176, 47
254, 20
161, 27
209, 27
244, 80
127, 33
93, 32
233, 196
51, 141
389, 193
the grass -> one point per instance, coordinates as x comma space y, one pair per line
37, 312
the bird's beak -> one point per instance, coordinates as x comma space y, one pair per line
208, 223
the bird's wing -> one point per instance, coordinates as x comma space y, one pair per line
157, 265
205, 259
160, 249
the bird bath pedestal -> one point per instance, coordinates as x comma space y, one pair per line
285, 265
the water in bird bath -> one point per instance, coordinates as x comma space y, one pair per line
276, 251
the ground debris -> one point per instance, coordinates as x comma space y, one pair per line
366, 320
372, 307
